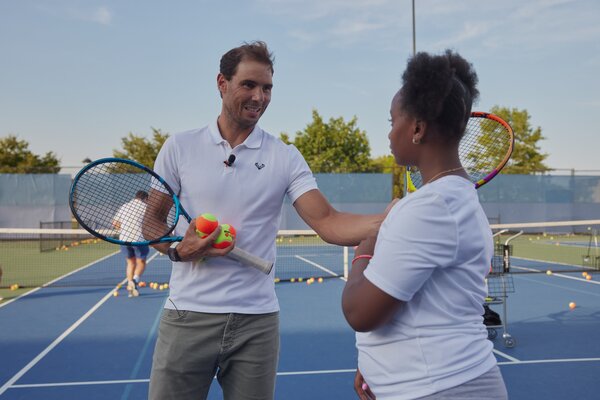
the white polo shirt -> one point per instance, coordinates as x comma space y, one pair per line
433, 252
130, 217
248, 195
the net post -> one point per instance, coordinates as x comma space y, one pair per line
345, 262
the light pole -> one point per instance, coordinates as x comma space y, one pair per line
413, 28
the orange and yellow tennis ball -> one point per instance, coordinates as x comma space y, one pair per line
225, 237
572, 305
206, 224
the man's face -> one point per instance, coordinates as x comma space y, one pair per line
248, 93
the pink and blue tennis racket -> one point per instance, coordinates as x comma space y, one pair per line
484, 150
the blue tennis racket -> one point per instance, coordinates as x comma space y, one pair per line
114, 193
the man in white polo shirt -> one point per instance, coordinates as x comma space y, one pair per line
222, 317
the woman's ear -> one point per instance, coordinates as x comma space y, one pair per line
419, 131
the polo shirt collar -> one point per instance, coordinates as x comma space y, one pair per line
253, 141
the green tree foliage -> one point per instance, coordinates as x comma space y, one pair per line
141, 149
387, 165
334, 146
527, 157
16, 158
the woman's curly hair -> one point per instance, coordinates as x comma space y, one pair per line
440, 89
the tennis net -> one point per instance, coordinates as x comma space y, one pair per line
73, 257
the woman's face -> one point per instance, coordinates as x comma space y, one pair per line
401, 133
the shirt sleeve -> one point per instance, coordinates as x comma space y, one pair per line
301, 178
418, 236
165, 166
119, 215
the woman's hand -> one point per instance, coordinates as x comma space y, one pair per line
361, 387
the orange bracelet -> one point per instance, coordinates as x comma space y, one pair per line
367, 256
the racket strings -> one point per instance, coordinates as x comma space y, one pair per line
483, 150
484, 147
105, 194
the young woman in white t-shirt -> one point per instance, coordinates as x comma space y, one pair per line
416, 290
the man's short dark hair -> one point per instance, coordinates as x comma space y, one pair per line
255, 51
142, 195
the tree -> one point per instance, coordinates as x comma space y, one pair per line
141, 149
387, 164
334, 146
16, 158
526, 157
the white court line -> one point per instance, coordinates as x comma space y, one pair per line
561, 275
319, 266
125, 381
559, 360
290, 373
57, 279
59, 339
55, 343
504, 355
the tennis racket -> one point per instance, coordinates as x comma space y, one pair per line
107, 187
484, 150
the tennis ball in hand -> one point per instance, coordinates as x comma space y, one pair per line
225, 237
206, 224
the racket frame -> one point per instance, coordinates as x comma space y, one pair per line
408, 182
236, 253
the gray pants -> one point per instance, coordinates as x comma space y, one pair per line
489, 386
241, 349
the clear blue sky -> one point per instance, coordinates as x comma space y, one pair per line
77, 76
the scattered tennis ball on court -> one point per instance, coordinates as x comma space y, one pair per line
225, 237
293, 280
300, 279
309, 282
142, 284
115, 293
166, 285
584, 274
206, 224
549, 272
320, 280
588, 277
277, 280
572, 305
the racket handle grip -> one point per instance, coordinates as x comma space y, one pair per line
250, 259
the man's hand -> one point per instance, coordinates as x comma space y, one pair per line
193, 248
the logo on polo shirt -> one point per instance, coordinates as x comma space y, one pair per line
259, 166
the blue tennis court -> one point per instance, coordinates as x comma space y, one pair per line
84, 343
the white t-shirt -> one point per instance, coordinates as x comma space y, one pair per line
433, 252
130, 217
248, 195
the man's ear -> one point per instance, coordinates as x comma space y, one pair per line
221, 83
